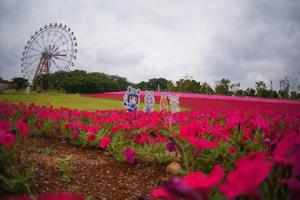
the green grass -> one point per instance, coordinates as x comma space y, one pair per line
67, 100
64, 100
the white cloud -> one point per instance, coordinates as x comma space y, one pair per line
209, 40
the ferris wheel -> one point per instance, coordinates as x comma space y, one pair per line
52, 48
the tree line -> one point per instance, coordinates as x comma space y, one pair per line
288, 87
80, 81
77, 81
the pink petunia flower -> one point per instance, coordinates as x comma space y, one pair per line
129, 155
245, 179
91, 137
22, 127
171, 146
61, 196
104, 142
92, 129
5, 126
285, 152
201, 144
143, 138
232, 150
195, 185
7, 139
233, 121
75, 133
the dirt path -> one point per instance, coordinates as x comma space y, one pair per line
93, 172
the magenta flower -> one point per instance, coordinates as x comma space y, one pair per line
245, 179
201, 144
92, 129
232, 150
263, 123
104, 141
91, 137
4, 126
195, 185
143, 138
233, 121
61, 196
75, 133
285, 152
22, 127
296, 165
171, 146
129, 155
7, 139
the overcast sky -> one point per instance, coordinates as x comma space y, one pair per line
241, 40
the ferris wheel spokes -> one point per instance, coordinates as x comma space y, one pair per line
51, 48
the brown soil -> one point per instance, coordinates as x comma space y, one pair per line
94, 173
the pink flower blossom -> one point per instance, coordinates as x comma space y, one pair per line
171, 146
22, 127
285, 152
195, 185
143, 138
92, 129
197, 180
232, 150
129, 155
233, 121
5, 126
91, 137
162, 193
245, 179
104, 142
201, 144
61, 196
7, 139
75, 133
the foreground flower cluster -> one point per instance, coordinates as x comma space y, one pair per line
224, 154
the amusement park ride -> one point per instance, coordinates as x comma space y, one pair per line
52, 48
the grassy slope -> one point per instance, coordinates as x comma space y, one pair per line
67, 100
64, 100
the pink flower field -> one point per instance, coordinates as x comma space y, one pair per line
227, 147
203, 102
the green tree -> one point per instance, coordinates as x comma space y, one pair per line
188, 85
285, 85
44, 82
239, 93
142, 85
79, 81
205, 88
170, 86
121, 82
222, 87
57, 79
272, 94
261, 89
154, 83
19, 83
234, 87
250, 92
